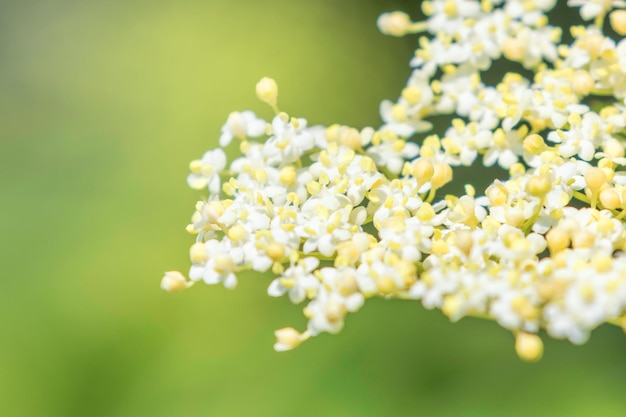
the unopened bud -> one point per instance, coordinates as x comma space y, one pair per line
595, 178
610, 199
529, 347
442, 175
275, 251
534, 144
618, 21
267, 91
423, 170
583, 83
538, 186
558, 240
198, 253
394, 23
173, 281
286, 339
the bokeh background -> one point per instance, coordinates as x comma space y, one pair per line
102, 106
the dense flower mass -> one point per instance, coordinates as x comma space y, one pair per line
340, 214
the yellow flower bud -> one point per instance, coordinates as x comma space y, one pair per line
529, 347
286, 339
557, 240
610, 199
275, 251
411, 94
425, 212
534, 144
538, 186
198, 253
173, 281
514, 49
267, 91
423, 170
618, 21
287, 175
583, 83
394, 23
442, 174
595, 178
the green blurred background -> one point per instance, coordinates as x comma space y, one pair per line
102, 106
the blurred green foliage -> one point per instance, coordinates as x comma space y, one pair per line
103, 105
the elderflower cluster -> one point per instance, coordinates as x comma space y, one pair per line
340, 215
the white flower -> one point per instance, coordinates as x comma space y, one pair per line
241, 125
205, 172
398, 120
325, 230
288, 141
218, 264
298, 281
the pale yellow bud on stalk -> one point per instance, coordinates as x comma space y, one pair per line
423, 170
173, 281
538, 186
394, 23
267, 91
528, 346
497, 195
583, 83
514, 49
237, 233
618, 21
286, 339
398, 24
275, 251
557, 240
198, 253
442, 174
595, 178
610, 199
426, 212
411, 94
534, 144
287, 175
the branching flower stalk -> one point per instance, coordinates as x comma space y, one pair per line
340, 215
